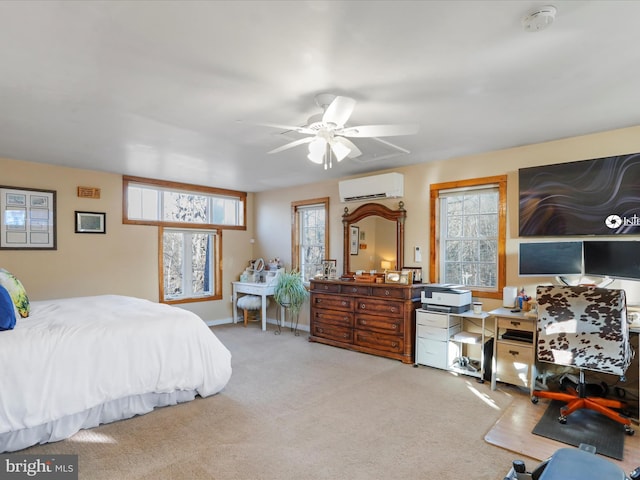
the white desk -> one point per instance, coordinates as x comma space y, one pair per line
261, 289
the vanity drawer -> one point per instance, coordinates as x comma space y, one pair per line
341, 319
380, 307
379, 341
333, 302
391, 325
333, 332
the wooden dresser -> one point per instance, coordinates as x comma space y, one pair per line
366, 317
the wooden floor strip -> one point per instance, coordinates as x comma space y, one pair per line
513, 429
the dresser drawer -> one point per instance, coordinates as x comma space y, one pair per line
391, 325
515, 324
355, 289
341, 319
380, 307
438, 320
386, 292
325, 287
435, 333
513, 362
379, 341
332, 332
333, 302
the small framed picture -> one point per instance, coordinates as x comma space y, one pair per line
354, 240
329, 268
417, 273
403, 278
91, 222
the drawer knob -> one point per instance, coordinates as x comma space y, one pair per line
362, 306
387, 292
363, 322
394, 344
326, 287
515, 324
344, 303
392, 309
345, 335
320, 330
346, 319
354, 289
513, 352
395, 326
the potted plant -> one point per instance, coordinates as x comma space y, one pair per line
290, 291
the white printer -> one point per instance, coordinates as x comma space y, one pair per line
446, 297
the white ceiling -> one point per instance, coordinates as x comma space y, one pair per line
173, 89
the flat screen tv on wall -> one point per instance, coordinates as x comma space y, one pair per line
587, 197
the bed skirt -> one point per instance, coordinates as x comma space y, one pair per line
112, 411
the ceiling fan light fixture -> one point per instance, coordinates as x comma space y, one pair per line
317, 149
340, 150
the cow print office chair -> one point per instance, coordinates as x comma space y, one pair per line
587, 328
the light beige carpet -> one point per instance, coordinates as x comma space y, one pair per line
300, 410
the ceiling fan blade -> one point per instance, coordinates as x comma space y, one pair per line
295, 143
392, 145
355, 151
305, 130
339, 111
363, 131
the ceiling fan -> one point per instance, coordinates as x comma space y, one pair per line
330, 136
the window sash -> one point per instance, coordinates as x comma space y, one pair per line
487, 253
154, 202
193, 278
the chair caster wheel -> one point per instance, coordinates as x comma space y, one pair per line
629, 431
562, 419
534, 400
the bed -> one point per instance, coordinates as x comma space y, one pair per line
79, 362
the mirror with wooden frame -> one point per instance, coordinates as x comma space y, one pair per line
370, 240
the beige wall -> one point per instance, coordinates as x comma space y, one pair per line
123, 261
274, 207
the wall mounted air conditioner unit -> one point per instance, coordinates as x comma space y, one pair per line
386, 185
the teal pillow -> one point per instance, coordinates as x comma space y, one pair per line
7, 310
16, 291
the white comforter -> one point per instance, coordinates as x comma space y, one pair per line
74, 354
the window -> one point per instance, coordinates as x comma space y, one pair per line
310, 235
189, 265
191, 219
468, 230
155, 202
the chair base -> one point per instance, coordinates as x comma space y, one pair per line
575, 402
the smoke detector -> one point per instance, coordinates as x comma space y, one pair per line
539, 18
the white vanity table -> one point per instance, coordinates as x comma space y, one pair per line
261, 289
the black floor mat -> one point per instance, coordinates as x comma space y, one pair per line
583, 426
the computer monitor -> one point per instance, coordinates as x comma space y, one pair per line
612, 259
550, 259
